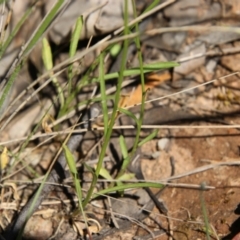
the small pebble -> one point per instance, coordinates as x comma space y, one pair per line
155, 155
38, 228
211, 66
163, 144
143, 197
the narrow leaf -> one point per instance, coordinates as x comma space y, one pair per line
148, 138
123, 147
105, 174
127, 186
43, 26
76, 36
73, 48
152, 5
136, 71
126, 176
103, 94
73, 169
47, 54
128, 113
15, 30
48, 63
70, 160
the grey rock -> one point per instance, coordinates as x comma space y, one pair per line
155, 155
188, 66
187, 12
211, 65
216, 38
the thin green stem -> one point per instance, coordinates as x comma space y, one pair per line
115, 109
205, 216
140, 120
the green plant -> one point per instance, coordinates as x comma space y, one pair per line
66, 98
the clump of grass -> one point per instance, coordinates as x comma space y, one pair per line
66, 98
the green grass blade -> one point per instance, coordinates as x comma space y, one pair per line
103, 94
48, 63
76, 36
130, 114
126, 159
115, 108
126, 187
125, 163
78, 88
73, 170
105, 174
15, 30
123, 146
28, 46
122, 175
205, 216
126, 72
37, 35
30, 211
73, 49
47, 54
136, 71
126, 177
152, 5
141, 68
7, 89
70, 160
148, 138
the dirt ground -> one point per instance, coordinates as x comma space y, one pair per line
192, 149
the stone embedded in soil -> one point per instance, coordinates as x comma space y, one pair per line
163, 144
155, 155
211, 65
187, 67
231, 62
143, 197
38, 228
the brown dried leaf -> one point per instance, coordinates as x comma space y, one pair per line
15, 192
45, 124
152, 80
4, 158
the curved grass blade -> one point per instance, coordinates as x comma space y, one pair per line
126, 187
73, 170
103, 94
123, 146
47, 20
48, 63
15, 30
105, 174
73, 49
5, 91
136, 71
148, 138
152, 5
130, 114
115, 108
